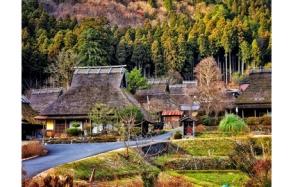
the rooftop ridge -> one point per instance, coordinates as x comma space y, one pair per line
99, 69
46, 90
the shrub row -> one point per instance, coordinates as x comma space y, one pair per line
106, 138
265, 120
199, 163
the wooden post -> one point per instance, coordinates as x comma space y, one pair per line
91, 128
242, 113
255, 112
194, 128
92, 176
65, 125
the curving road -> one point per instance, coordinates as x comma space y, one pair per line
63, 153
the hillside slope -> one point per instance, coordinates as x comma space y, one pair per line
119, 12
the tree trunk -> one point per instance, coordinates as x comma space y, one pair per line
230, 70
226, 80
243, 64
239, 67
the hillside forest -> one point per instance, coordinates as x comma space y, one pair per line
167, 36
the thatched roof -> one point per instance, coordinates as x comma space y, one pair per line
27, 112
90, 85
165, 96
258, 94
41, 98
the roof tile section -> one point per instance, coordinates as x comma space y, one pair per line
172, 113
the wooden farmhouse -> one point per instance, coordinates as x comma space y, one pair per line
255, 98
166, 100
31, 128
90, 85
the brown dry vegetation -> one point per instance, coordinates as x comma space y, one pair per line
166, 180
33, 148
122, 13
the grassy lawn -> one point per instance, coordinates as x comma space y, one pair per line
206, 147
216, 178
217, 134
218, 146
108, 166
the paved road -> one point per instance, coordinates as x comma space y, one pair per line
63, 153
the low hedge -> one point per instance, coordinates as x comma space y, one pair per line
199, 163
265, 120
97, 139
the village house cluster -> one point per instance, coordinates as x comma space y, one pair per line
164, 105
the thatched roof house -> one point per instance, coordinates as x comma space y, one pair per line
30, 126
162, 96
256, 99
90, 85
41, 98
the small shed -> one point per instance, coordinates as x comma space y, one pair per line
171, 118
188, 126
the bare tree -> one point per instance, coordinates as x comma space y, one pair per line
128, 117
62, 69
210, 90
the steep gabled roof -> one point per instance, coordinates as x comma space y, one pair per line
258, 93
90, 85
27, 112
41, 98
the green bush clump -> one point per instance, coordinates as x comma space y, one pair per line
232, 124
74, 132
177, 135
207, 120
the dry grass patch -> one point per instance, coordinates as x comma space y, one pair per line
33, 148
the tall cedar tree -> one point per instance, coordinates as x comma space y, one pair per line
157, 59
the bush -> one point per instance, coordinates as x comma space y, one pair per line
207, 120
74, 131
200, 163
177, 135
252, 121
265, 120
243, 157
232, 124
32, 149
261, 174
200, 129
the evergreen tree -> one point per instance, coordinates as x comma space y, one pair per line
92, 48
157, 59
255, 50
245, 53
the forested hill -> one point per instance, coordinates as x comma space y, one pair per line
158, 36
